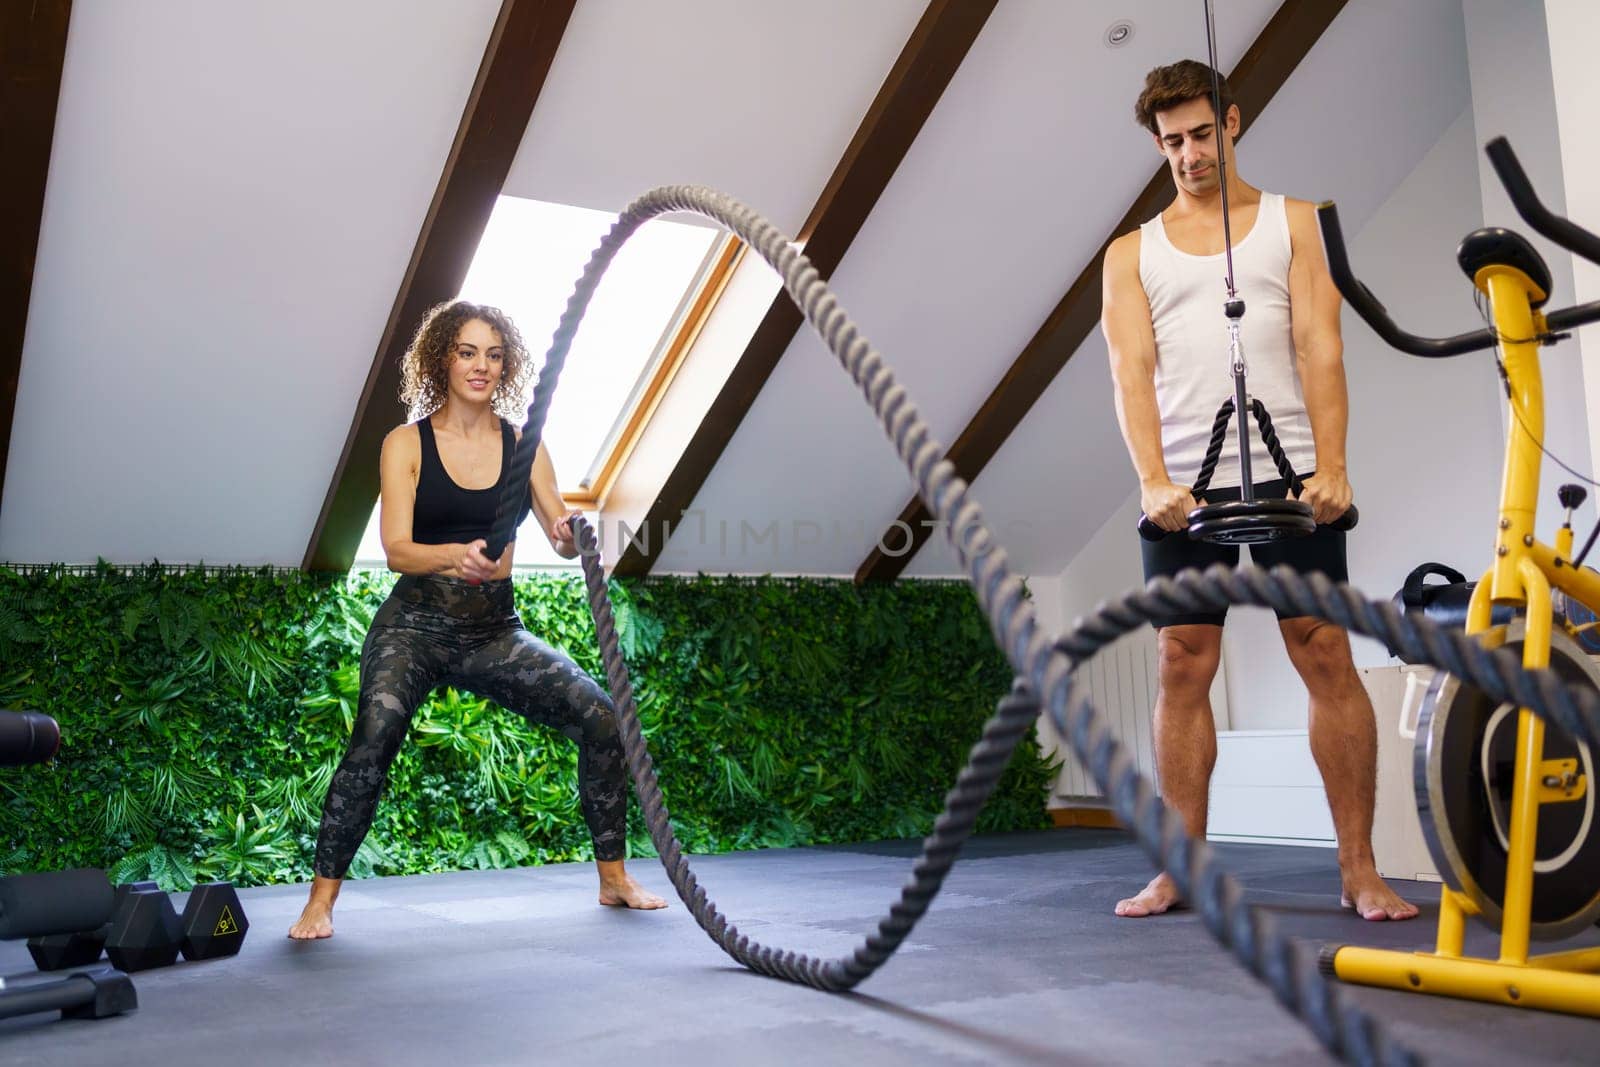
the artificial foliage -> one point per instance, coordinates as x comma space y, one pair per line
203, 712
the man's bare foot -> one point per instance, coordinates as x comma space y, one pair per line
1373, 900
625, 892
316, 921
1159, 896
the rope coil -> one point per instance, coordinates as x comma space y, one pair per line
1044, 666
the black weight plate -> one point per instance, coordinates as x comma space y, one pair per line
1463, 767
1227, 509
1251, 529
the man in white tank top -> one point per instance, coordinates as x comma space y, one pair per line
1164, 287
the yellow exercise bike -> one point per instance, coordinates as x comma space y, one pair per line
1507, 801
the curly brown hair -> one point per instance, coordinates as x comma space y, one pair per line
1178, 83
425, 368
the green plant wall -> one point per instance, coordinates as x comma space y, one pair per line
202, 713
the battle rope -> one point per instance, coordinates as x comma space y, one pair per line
1018, 711
1043, 666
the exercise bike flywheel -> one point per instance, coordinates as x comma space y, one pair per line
1463, 770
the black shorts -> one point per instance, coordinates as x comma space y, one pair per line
1321, 552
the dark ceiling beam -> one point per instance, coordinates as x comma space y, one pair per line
929, 60
33, 48
1287, 39
515, 64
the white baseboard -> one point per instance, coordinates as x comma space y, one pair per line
1247, 839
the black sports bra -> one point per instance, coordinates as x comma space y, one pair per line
445, 513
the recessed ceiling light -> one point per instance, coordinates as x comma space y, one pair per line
1118, 33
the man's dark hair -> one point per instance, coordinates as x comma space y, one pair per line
1180, 82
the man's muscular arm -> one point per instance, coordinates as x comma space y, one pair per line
1131, 341
1319, 350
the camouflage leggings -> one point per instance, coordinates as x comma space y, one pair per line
434, 631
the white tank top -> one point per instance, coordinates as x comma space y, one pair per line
1193, 377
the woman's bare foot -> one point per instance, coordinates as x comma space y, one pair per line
316, 921
1159, 896
1371, 898
618, 889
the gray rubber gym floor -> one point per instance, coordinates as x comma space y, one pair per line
1019, 961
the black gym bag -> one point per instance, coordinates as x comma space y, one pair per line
1443, 602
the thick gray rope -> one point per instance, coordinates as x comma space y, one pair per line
1018, 712
1044, 666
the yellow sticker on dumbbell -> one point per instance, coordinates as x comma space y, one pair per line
225, 925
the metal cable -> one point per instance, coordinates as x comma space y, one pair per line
1044, 665
1219, 131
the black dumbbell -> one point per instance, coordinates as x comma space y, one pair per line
59, 951
144, 931
147, 932
213, 922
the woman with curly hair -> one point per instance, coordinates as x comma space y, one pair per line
450, 619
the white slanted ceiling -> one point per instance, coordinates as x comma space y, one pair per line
235, 190
707, 93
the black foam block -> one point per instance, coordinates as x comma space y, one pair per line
55, 952
60, 902
27, 737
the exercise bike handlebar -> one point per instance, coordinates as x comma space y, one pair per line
1563, 232
1373, 312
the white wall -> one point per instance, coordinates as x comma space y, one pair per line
1513, 95
1574, 33
1107, 567
1425, 436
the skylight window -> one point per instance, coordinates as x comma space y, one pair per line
643, 315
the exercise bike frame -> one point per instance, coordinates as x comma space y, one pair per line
1522, 574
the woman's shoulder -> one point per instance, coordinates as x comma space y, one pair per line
406, 431
404, 440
